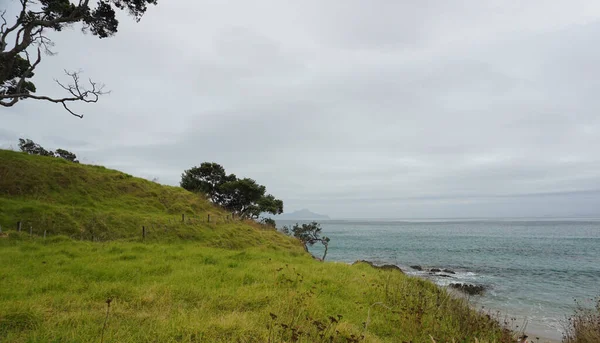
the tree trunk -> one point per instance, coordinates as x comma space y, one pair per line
325, 253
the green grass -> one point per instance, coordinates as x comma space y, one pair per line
55, 290
92, 202
223, 281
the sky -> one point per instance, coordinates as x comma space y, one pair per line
355, 109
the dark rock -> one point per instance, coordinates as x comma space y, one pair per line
435, 270
419, 268
389, 267
449, 271
443, 275
468, 288
383, 267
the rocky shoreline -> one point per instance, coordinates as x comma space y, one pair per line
469, 289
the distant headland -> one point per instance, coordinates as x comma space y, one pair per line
303, 214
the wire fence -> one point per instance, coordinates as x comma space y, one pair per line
43, 228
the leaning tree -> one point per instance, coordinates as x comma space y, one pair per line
24, 39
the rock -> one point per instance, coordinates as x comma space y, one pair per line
435, 270
468, 288
449, 271
419, 268
390, 267
384, 267
443, 275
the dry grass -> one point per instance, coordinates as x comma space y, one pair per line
584, 325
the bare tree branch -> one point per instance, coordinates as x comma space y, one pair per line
78, 92
20, 39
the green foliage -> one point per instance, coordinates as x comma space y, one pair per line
207, 178
32, 148
244, 197
309, 234
67, 155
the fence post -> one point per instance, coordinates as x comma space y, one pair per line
209, 217
143, 232
30, 230
44, 234
183, 217
19, 226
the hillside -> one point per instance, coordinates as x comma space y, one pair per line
93, 278
91, 202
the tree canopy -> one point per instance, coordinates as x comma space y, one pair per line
33, 148
23, 40
309, 234
244, 197
208, 178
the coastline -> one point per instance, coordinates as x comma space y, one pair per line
535, 332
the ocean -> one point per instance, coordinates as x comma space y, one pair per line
535, 270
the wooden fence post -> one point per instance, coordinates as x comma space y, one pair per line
19, 226
44, 234
183, 217
209, 217
143, 232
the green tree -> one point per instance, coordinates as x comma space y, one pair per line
309, 234
32, 148
268, 204
241, 197
67, 155
208, 179
247, 198
23, 40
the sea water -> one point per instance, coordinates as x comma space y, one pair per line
534, 270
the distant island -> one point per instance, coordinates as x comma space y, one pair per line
303, 214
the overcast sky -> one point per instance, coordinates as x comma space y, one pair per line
349, 108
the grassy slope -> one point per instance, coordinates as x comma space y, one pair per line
228, 281
84, 201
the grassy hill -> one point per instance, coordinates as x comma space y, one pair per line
92, 202
223, 281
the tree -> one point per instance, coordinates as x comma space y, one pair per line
208, 179
67, 155
309, 234
32, 148
23, 41
268, 204
244, 197
241, 197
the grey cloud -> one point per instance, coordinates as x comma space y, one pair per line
355, 109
